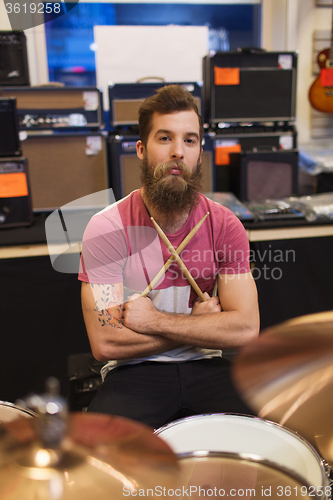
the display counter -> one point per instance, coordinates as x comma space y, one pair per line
42, 321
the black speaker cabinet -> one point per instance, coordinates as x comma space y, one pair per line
126, 98
14, 68
258, 176
64, 167
253, 138
126, 169
50, 107
15, 200
249, 86
324, 182
9, 132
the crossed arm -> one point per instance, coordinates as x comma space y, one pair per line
109, 338
138, 329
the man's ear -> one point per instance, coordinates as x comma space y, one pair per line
140, 150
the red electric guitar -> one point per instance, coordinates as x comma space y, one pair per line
321, 91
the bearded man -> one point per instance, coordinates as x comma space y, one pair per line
163, 352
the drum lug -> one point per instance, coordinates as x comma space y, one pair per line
329, 473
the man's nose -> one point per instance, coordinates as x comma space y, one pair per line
177, 151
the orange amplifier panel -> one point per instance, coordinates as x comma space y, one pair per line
15, 199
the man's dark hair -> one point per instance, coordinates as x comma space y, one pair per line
168, 99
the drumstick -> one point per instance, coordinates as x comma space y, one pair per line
179, 262
171, 259
214, 294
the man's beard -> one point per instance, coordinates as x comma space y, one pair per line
171, 194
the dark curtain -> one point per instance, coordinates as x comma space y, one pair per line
293, 277
41, 325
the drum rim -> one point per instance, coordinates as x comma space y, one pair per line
253, 458
16, 407
293, 433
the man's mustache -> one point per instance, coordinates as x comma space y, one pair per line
164, 168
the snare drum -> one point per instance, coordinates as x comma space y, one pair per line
10, 412
243, 434
217, 474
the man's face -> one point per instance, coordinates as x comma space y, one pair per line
173, 137
171, 161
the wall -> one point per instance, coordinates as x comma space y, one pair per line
289, 25
309, 18
4, 21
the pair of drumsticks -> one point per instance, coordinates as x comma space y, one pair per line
175, 257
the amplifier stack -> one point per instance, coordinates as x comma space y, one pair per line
250, 105
61, 139
15, 195
247, 99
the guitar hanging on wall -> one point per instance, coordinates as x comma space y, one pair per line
321, 91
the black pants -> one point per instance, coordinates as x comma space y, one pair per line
157, 393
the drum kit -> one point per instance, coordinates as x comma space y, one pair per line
286, 451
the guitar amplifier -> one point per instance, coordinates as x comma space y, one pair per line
241, 139
249, 86
126, 166
14, 69
126, 98
258, 176
9, 131
324, 182
60, 108
65, 167
15, 199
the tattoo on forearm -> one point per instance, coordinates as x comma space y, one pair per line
108, 300
105, 318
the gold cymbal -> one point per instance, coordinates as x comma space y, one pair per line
286, 376
102, 456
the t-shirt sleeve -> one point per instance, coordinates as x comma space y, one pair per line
233, 247
104, 251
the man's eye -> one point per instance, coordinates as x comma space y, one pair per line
164, 138
190, 141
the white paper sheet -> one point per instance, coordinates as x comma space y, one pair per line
126, 54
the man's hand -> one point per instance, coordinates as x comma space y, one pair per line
139, 314
211, 306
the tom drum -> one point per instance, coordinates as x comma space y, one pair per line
243, 435
10, 412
